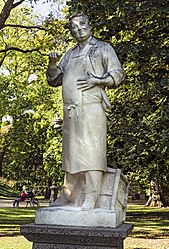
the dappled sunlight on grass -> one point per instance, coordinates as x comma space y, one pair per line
12, 218
148, 222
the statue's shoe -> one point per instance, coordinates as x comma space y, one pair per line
59, 202
88, 204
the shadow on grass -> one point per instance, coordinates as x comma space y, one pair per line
9, 234
141, 234
149, 223
12, 218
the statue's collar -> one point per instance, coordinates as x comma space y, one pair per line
92, 41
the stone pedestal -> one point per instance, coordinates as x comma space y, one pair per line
110, 208
73, 237
69, 227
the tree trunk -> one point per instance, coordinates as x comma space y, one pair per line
48, 190
2, 154
156, 198
0, 166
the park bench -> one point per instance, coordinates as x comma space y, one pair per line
29, 201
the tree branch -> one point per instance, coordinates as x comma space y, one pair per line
18, 49
3, 58
22, 50
5, 13
17, 3
6, 10
25, 27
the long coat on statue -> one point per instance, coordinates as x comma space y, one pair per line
84, 127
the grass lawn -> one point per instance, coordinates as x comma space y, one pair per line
149, 224
10, 221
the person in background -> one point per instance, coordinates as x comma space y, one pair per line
21, 198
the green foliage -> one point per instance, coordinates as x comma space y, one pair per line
138, 120
138, 128
33, 151
6, 190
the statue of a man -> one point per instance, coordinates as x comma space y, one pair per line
84, 72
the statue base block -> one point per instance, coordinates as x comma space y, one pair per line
73, 216
73, 237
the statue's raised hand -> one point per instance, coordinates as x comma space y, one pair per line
54, 57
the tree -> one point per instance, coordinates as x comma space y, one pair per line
3, 142
9, 5
138, 121
7, 23
31, 103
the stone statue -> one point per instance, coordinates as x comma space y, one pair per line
84, 72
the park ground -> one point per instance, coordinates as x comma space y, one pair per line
151, 225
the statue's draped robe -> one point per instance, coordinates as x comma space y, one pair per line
84, 127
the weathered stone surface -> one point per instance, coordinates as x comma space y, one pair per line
64, 237
110, 209
73, 216
114, 192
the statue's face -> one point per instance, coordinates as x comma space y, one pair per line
80, 28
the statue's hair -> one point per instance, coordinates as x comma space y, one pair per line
68, 24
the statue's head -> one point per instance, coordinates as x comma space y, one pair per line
79, 27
